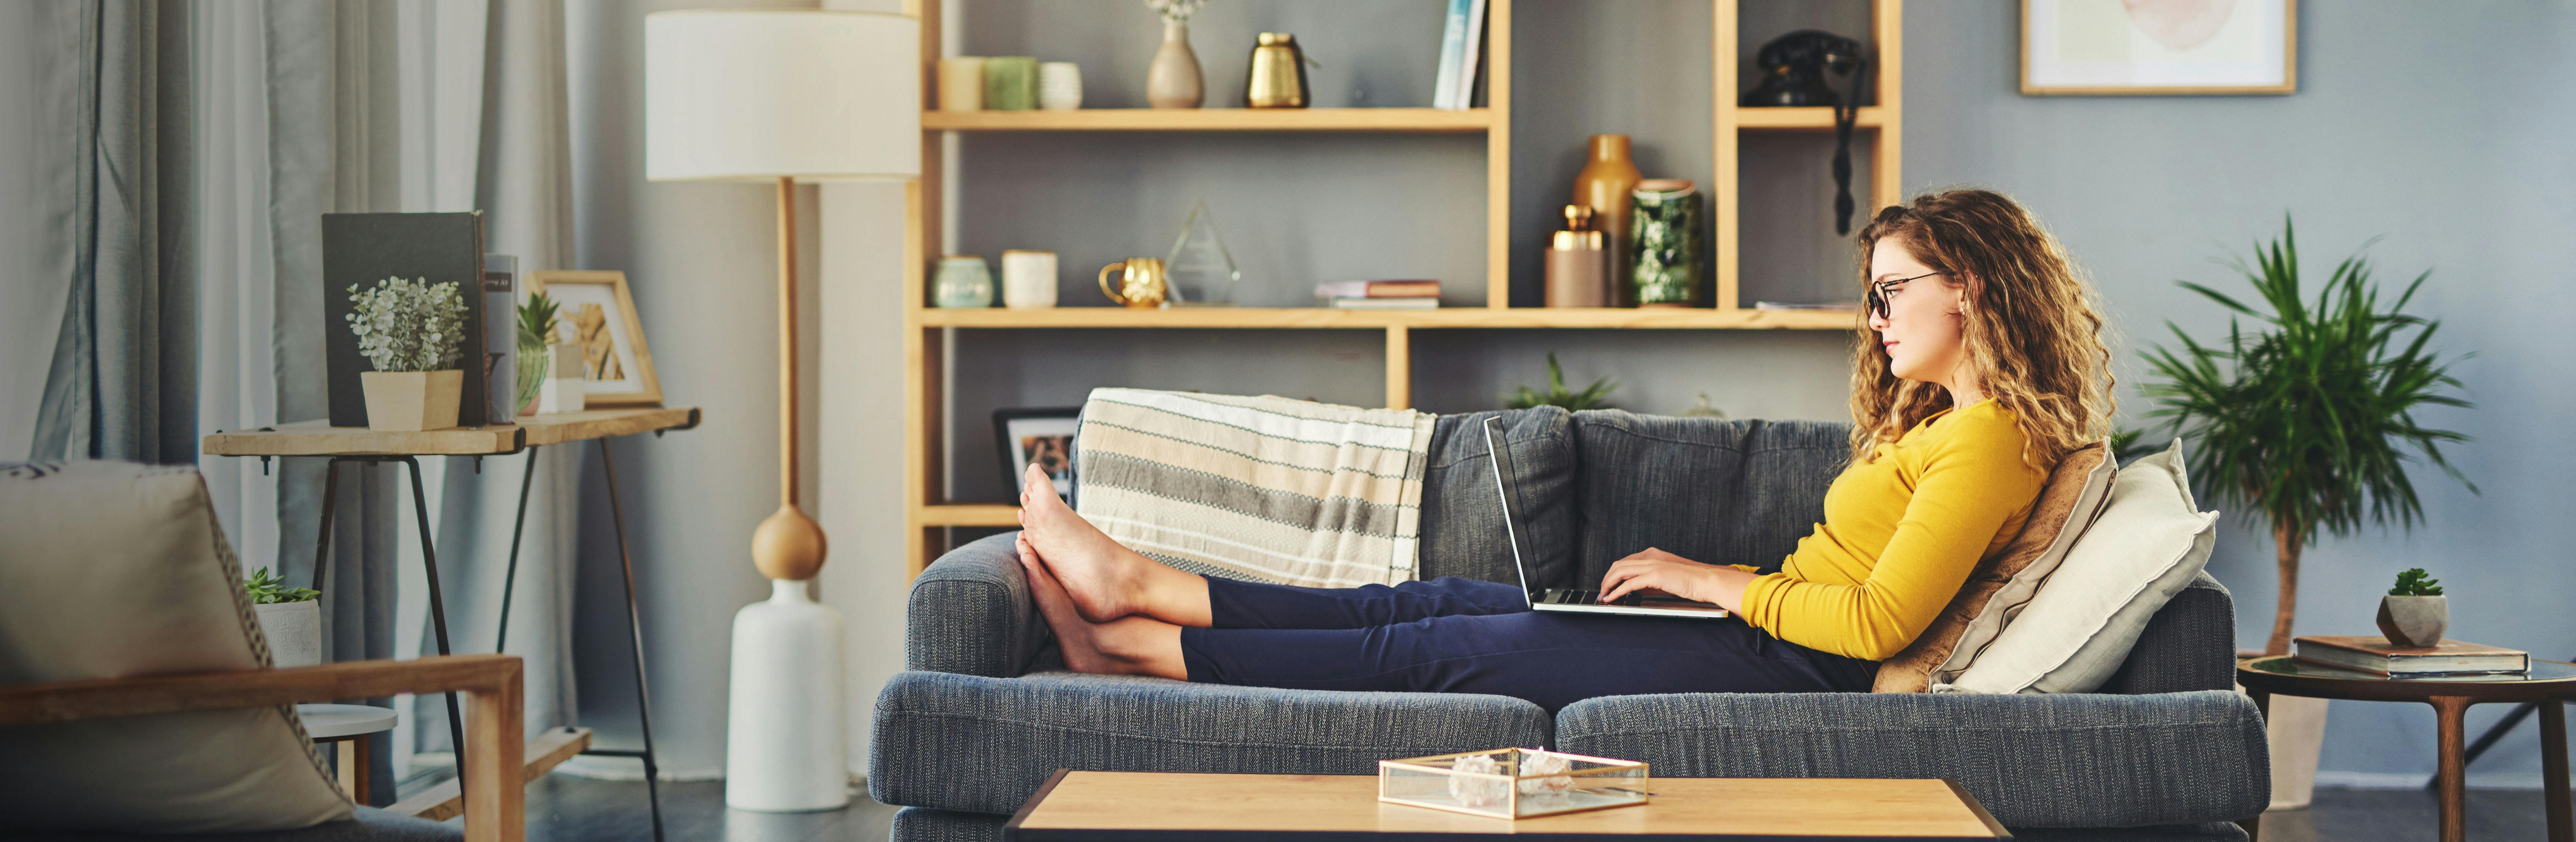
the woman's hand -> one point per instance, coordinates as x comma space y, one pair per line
1656, 570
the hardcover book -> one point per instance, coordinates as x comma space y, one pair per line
362, 249
2376, 655
1378, 289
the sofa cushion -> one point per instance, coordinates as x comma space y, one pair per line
118, 570
1721, 492
2209, 832
2072, 760
2189, 645
1462, 518
923, 824
368, 824
2005, 581
976, 744
2148, 545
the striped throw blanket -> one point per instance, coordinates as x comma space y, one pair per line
1260, 488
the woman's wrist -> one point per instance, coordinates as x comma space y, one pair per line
1725, 586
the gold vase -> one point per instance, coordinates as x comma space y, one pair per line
1606, 184
1278, 75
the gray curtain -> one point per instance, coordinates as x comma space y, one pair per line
322, 73
122, 384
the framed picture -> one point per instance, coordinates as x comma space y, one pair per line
2097, 47
602, 316
1041, 437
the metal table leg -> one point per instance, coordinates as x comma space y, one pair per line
643, 699
510, 577
437, 613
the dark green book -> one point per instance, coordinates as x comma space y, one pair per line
364, 248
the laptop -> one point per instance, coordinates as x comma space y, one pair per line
1570, 600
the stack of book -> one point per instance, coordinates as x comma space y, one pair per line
1380, 295
2375, 655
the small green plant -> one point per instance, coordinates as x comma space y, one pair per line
409, 325
538, 326
2413, 582
2126, 445
266, 589
1556, 394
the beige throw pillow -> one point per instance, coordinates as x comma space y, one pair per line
116, 570
2147, 545
2004, 581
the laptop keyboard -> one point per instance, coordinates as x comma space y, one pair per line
1571, 596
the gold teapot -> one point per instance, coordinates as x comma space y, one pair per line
1278, 75
1142, 283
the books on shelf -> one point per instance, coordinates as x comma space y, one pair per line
1839, 307
2377, 656
1417, 303
1378, 289
1454, 88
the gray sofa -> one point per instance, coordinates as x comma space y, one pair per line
2165, 751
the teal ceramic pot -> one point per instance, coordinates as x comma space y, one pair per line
963, 282
1669, 250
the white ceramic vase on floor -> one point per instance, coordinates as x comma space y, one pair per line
2296, 730
786, 747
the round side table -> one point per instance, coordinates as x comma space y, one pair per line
347, 725
2549, 683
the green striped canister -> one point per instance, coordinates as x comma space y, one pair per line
1669, 250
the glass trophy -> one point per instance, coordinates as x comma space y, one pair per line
1200, 268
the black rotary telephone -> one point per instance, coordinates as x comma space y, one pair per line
1794, 67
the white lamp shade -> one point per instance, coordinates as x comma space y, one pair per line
760, 94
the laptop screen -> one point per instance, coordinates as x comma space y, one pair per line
1508, 489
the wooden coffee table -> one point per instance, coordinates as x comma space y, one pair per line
1161, 806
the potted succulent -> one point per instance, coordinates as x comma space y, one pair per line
414, 334
2305, 416
290, 618
2415, 613
537, 328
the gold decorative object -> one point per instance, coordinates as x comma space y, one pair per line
1141, 282
1278, 75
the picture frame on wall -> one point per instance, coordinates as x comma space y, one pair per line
1042, 435
2159, 47
602, 314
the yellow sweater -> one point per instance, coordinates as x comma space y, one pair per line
1901, 534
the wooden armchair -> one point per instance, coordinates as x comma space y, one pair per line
495, 809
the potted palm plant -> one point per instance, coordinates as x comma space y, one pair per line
290, 618
2307, 416
413, 332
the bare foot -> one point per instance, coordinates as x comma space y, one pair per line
1125, 646
1103, 580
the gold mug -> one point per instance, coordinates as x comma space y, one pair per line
1142, 283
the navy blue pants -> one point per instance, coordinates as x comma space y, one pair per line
1452, 635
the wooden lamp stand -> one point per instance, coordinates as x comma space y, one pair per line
788, 546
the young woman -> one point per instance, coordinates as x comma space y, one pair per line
1981, 364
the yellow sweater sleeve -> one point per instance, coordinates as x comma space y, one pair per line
1971, 484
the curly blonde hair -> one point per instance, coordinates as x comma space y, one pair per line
2030, 325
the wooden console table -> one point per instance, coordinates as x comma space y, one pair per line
359, 444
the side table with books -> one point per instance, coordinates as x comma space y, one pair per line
2450, 678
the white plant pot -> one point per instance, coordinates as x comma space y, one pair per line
2295, 727
2414, 620
567, 384
410, 401
294, 632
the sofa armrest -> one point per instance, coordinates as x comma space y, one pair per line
2190, 644
495, 809
970, 613
2074, 760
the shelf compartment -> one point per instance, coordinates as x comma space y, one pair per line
1325, 318
970, 514
1216, 120
1801, 119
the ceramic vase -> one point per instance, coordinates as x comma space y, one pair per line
963, 282
2414, 620
1060, 86
785, 748
961, 84
294, 632
1669, 249
410, 401
1605, 185
1174, 80
1010, 83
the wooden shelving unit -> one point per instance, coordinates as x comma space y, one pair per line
924, 326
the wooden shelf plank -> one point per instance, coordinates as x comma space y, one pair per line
970, 514
319, 438
1214, 119
1325, 318
1801, 119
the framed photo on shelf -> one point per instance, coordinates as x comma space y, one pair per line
1041, 437
2159, 47
602, 315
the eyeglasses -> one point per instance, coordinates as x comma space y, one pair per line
1880, 292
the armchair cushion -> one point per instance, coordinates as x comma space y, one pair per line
368, 824
976, 744
2033, 760
117, 570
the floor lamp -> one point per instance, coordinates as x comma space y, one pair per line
784, 95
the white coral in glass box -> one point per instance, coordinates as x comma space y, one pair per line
408, 325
